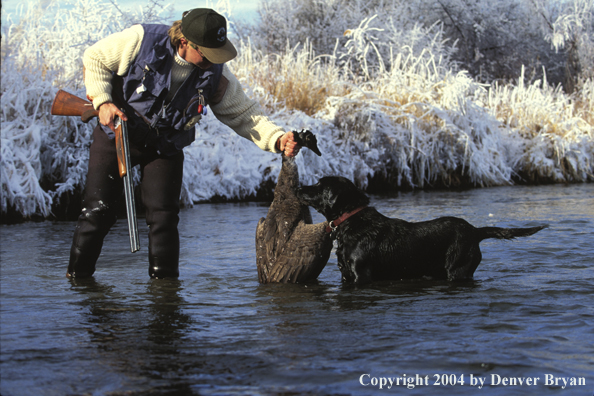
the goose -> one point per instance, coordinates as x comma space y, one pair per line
289, 248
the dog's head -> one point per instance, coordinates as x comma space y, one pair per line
332, 196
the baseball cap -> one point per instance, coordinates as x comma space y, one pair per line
208, 30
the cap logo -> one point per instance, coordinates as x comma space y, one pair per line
221, 34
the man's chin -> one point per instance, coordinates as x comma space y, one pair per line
204, 65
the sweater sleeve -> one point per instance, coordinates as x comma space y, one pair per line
113, 54
245, 116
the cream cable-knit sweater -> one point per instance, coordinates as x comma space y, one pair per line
117, 52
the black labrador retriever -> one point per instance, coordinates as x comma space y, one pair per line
371, 246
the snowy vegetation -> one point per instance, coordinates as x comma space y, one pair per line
415, 94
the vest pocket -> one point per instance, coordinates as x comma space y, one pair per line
145, 97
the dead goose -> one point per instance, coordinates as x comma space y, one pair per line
289, 248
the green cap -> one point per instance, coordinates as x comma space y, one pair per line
208, 30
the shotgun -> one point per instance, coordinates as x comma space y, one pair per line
66, 104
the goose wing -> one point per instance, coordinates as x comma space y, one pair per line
274, 233
302, 257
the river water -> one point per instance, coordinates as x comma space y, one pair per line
527, 314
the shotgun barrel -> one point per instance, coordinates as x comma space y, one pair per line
66, 104
123, 152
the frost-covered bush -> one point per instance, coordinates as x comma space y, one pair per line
414, 122
554, 130
571, 29
389, 107
360, 34
44, 158
493, 39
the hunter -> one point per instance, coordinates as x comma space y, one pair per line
159, 79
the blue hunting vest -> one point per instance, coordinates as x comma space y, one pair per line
167, 126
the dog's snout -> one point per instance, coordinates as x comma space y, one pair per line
305, 195
301, 193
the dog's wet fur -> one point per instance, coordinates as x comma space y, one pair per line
372, 247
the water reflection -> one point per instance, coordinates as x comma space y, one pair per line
140, 335
348, 297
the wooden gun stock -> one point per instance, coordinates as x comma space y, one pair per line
121, 148
66, 104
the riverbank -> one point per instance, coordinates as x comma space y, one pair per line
415, 123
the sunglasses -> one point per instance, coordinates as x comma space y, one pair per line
200, 52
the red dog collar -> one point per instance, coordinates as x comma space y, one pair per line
335, 223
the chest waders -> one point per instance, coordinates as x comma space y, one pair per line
155, 145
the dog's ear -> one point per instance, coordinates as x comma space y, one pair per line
351, 199
345, 196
